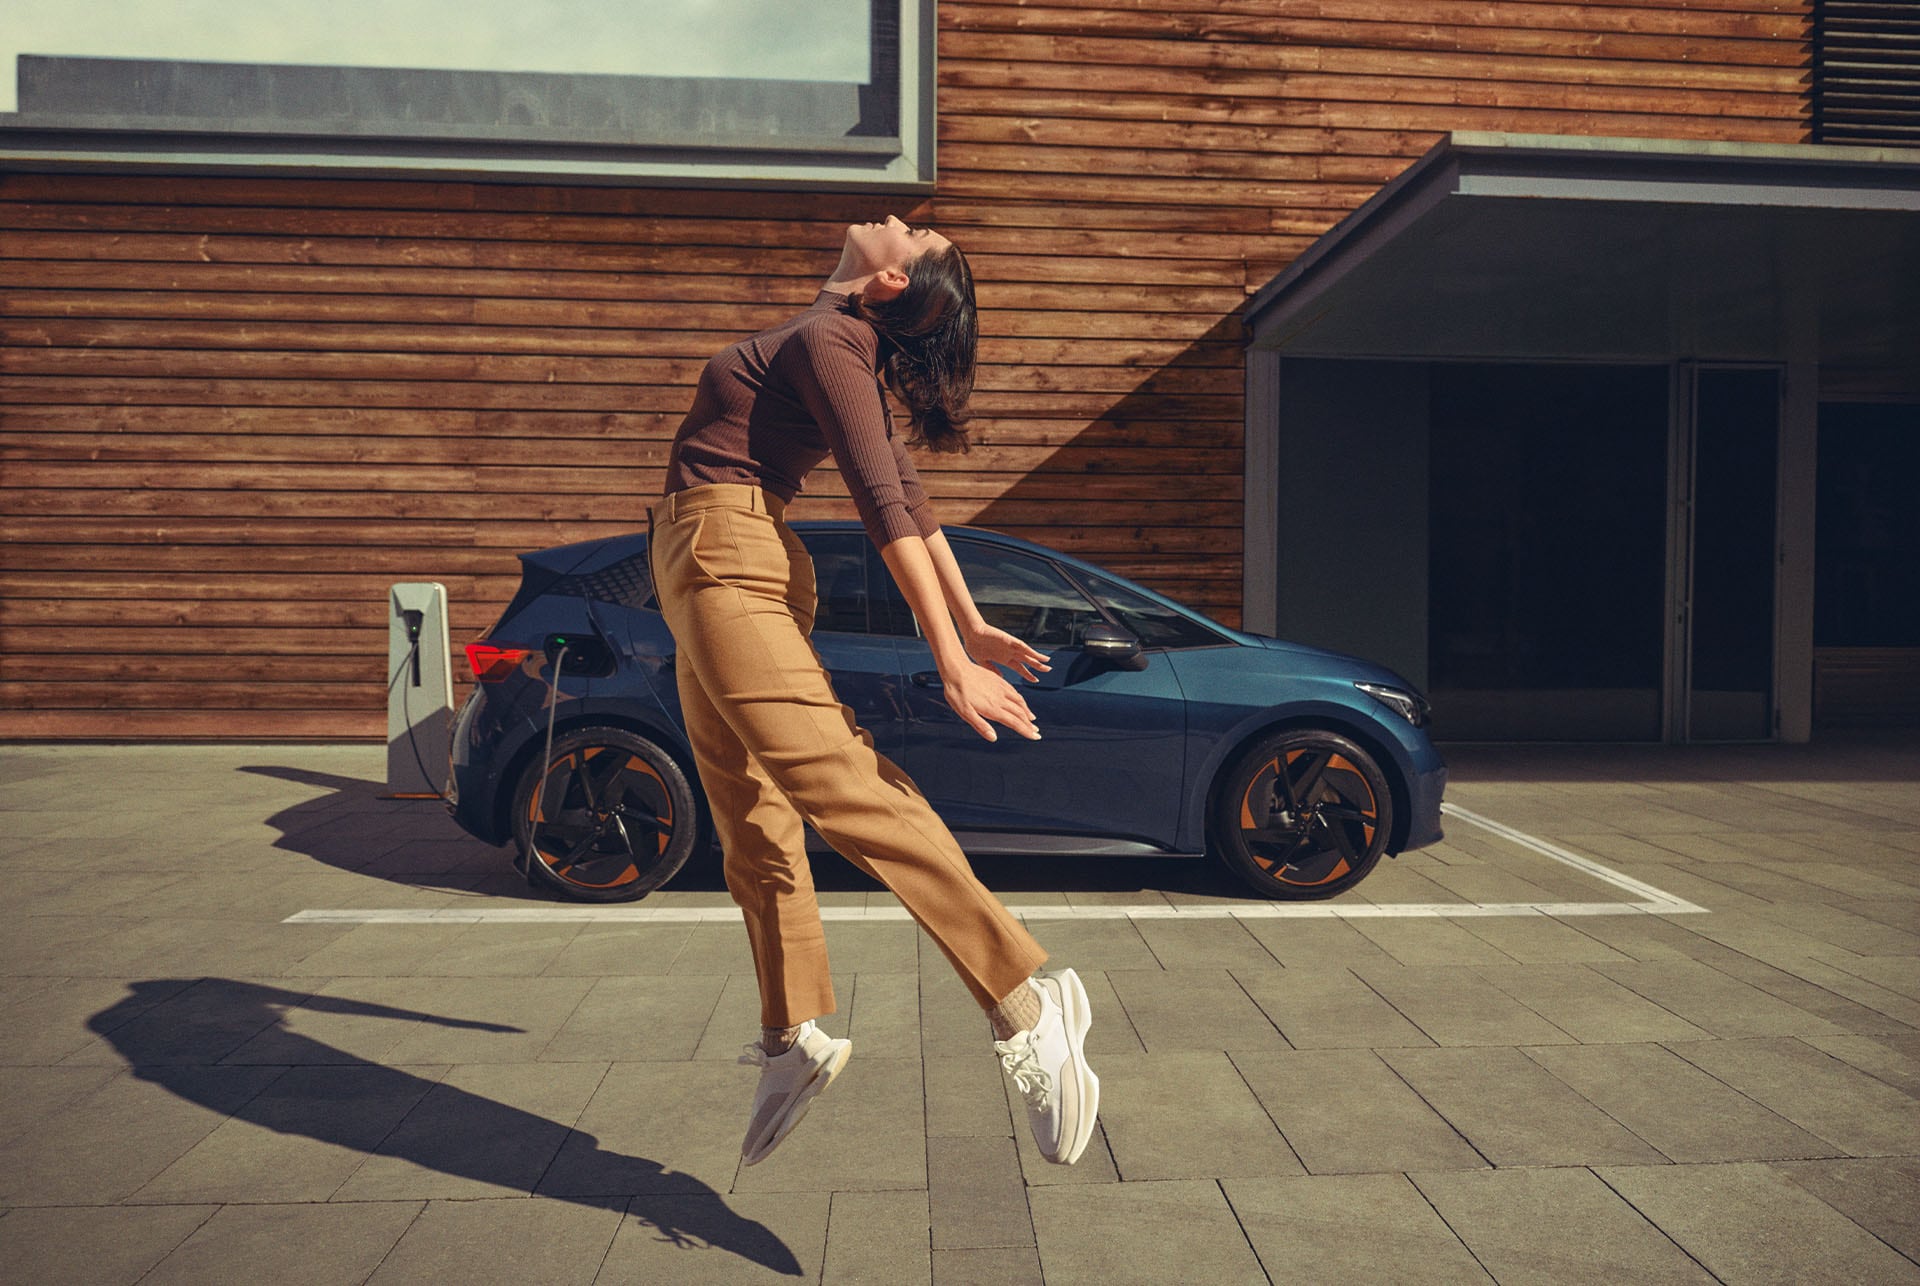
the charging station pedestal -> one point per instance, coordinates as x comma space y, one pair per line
419, 690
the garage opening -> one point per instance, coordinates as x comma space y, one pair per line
1547, 550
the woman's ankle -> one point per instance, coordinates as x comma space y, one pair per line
1017, 1011
778, 1040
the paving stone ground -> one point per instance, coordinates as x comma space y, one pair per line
194, 1090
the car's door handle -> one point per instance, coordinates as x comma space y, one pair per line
927, 679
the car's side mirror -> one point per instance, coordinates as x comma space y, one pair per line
1113, 646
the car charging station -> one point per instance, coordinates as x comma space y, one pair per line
419, 690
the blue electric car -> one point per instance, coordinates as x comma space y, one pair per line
1164, 732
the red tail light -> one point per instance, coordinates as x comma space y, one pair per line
491, 664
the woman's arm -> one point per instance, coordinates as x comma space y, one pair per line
976, 692
836, 383
953, 586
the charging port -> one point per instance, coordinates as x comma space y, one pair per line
588, 655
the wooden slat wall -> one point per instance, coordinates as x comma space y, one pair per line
235, 410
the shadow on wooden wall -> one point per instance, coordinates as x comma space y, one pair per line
1151, 487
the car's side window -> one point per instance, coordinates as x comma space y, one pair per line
1154, 624
1023, 595
889, 609
840, 580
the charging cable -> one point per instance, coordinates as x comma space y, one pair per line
410, 664
546, 756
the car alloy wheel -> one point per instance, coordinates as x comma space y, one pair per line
1305, 814
611, 817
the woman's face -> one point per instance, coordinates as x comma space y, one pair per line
875, 247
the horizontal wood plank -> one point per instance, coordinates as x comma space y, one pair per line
1121, 429
1673, 96
1350, 124
547, 371
1358, 22
792, 294
95, 335
1505, 59
51, 230
720, 323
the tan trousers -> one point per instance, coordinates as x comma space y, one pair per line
774, 745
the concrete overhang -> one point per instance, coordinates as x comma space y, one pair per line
1537, 247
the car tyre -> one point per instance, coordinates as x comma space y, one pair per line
610, 817
1304, 814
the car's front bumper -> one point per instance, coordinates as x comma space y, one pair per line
1424, 791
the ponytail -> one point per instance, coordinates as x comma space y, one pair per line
931, 331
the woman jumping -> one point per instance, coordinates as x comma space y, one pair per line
774, 746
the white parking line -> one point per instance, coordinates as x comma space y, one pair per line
1652, 901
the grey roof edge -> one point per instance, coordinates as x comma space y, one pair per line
1682, 148
1417, 186
1442, 170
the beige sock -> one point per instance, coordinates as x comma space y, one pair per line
1018, 1011
778, 1040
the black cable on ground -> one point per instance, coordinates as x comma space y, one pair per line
546, 756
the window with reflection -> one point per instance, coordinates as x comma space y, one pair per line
1154, 624
757, 93
1025, 596
840, 580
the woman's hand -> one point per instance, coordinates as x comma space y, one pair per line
989, 644
977, 694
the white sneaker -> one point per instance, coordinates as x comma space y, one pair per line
1049, 1066
788, 1084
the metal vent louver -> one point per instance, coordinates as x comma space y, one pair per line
1866, 71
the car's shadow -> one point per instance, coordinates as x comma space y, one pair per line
414, 843
1019, 873
173, 1032
348, 825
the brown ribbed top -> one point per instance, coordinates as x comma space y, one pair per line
773, 406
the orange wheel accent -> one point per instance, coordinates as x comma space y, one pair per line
536, 807
537, 814
1340, 868
633, 871
1246, 801
1369, 813
666, 815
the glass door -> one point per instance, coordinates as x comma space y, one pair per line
1547, 551
1730, 556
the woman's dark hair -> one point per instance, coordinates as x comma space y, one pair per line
931, 330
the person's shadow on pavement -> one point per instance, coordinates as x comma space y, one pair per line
194, 1024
